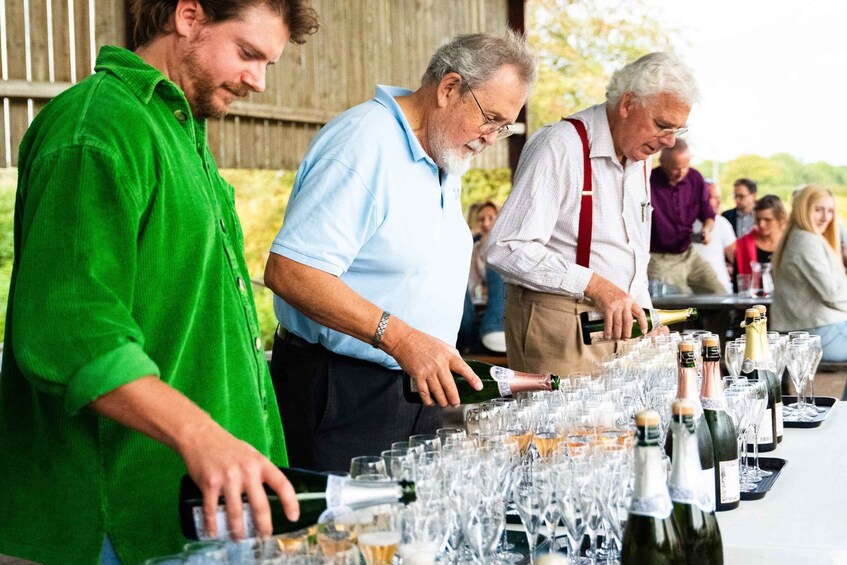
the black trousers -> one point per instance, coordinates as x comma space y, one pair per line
335, 407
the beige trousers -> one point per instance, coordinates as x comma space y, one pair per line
543, 333
685, 270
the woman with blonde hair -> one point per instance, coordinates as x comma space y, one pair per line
810, 287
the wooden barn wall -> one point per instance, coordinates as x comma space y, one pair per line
47, 45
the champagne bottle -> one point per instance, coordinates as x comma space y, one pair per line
724, 438
763, 316
316, 492
686, 389
692, 505
650, 535
754, 367
496, 382
592, 323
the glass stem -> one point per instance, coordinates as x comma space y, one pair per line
756, 450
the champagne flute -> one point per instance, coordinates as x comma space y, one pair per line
379, 535
733, 358
797, 357
367, 465
815, 355
531, 493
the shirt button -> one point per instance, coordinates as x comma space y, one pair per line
241, 285
258, 344
180, 116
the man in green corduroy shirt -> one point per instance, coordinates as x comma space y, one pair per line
132, 349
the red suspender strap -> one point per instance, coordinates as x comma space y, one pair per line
586, 206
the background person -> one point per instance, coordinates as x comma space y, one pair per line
370, 267
535, 243
759, 245
810, 287
132, 349
742, 217
680, 196
486, 285
720, 251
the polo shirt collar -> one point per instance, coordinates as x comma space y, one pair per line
385, 96
140, 77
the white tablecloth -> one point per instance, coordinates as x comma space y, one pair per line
803, 519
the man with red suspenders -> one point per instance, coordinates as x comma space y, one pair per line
574, 234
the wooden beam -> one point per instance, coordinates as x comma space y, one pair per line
282, 113
35, 90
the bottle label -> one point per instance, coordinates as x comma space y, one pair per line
730, 483
221, 524
335, 488
713, 404
657, 506
693, 496
503, 387
747, 366
501, 373
765, 429
779, 423
707, 477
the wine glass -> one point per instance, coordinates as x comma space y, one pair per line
734, 357
532, 493
759, 400
429, 441
797, 355
483, 521
738, 400
367, 465
815, 355
378, 534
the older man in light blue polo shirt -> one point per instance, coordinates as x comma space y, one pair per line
371, 264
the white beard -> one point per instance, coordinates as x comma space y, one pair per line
450, 159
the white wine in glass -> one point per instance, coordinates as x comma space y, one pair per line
378, 548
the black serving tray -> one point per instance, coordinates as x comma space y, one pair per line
773, 464
821, 401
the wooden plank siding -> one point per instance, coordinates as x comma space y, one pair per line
50, 44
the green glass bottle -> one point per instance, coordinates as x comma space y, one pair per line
650, 536
592, 324
496, 382
763, 335
692, 501
724, 438
316, 492
686, 389
755, 367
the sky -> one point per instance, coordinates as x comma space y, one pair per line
772, 76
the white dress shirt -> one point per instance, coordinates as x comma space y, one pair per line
533, 243
723, 235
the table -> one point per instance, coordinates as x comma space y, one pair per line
804, 518
708, 301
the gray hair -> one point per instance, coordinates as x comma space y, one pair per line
652, 75
678, 147
477, 56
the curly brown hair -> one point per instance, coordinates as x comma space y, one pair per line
153, 17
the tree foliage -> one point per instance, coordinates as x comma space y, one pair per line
579, 44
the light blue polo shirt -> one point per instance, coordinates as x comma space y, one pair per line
370, 206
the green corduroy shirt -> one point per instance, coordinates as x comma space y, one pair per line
128, 262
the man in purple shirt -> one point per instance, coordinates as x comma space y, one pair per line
680, 196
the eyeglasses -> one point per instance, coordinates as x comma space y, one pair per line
664, 131
490, 126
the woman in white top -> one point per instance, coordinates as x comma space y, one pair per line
810, 287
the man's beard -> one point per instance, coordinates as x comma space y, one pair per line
201, 99
450, 158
